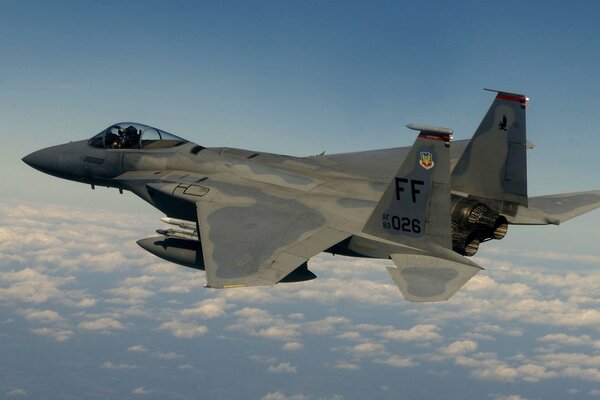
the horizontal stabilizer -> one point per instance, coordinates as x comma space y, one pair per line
427, 278
555, 209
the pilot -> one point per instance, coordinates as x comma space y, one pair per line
120, 140
131, 131
131, 136
112, 139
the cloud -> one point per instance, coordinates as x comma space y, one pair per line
283, 332
16, 393
42, 315
459, 347
60, 335
424, 332
535, 372
561, 360
141, 391
281, 396
137, 281
207, 309
110, 365
554, 312
558, 256
487, 284
350, 335
101, 324
570, 340
185, 330
262, 359
325, 326
104, 262
137, 349
330, 290
131, 295
61, 239
488, 368
590, 374
494, 328
167, 356
353, 307
259, 322
292, 346
347, 365
30, 286
86, 303
251, 295
256, 316
174, 279
282, 368
367, 349
396, 361
538, 299
578, 366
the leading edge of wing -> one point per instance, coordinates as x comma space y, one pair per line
260, 242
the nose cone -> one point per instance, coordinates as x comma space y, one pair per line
45, 160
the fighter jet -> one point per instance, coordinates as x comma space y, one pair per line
250, 218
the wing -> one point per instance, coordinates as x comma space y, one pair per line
258, 239
251, 233
556, 208
433, 276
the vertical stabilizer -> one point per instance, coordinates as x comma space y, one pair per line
494, 164
415, 208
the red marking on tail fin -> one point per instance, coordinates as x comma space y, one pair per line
445, 138
511, 97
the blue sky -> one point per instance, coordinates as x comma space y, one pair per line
294, 78
297, 78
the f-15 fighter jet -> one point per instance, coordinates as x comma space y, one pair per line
250, 218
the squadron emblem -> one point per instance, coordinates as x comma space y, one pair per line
502, 124
426, 160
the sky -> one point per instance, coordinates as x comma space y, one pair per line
86, 313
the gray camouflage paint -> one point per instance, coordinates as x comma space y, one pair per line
262, 215
494, 163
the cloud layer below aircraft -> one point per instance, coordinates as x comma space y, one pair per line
75, 279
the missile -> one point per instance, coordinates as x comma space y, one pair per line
180, 223
177, 233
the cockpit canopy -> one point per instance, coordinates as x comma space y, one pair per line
131, 135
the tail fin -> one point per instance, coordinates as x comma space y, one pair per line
415, 208
494, 164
